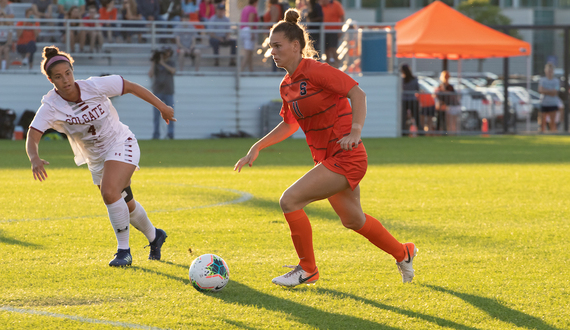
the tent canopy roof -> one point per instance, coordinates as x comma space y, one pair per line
439, 31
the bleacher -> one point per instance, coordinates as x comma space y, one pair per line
119, 52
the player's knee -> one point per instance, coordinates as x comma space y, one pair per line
287, 203
110, 196
353, 222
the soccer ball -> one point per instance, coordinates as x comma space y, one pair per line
209, 272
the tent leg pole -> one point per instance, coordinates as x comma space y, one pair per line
506, 95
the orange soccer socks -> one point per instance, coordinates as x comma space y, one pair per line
381, 237
302, 236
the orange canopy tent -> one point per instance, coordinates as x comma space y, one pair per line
439, 31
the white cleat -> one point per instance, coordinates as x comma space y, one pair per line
405, 267
296, 276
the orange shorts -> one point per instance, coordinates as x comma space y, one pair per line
350, 163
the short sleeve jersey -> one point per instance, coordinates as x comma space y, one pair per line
315, 97
91, 123
548, 100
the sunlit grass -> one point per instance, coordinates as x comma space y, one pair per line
490, 217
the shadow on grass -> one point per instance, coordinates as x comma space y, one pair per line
272, 205
237, 293
13, 241
156, 272
497, 310
408, 313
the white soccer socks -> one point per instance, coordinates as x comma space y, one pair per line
140, 221
119, 216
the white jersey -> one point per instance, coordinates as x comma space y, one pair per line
91, 123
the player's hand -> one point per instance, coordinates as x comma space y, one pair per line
350, 141
167, 114
39, 170
248, 159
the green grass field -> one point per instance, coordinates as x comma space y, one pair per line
489, 215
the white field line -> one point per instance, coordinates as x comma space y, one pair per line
244, 196
77, 318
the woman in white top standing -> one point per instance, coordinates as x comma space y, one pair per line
82, 110
548, 87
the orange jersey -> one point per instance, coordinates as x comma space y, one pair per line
315, 97
333, 13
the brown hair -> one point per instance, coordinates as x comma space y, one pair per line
294, 31
48, 53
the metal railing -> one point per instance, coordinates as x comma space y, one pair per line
352, 45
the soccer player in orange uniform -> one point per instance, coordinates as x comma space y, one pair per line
315, 98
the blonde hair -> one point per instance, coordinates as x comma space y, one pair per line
443, 74
293, 30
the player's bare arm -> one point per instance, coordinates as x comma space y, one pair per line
144, 94
358, 100
278, 134
32, 143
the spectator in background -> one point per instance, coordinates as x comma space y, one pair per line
162, 72
207, 10
75, 35
427, 110
301, 6
218, 39
548, 88
26, 45
5, 42
149, 9
185, 36
410, 87
89, 3
447, 104
333, 12
108, 12
65, 5
190, 7
93, 30
273, 13
42, 8
174, 10
248, 15
5, 7
315, 15
130, 12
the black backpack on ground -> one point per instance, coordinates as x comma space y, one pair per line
7, 118
26, 120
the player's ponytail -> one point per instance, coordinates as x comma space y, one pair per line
293, 30
52, 55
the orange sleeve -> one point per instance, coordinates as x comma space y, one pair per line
332, 79
287, 114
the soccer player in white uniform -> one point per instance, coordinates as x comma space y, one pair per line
81, 109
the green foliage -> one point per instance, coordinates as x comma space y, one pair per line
489, 215
485, 13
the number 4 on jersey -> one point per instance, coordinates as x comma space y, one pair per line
92, 130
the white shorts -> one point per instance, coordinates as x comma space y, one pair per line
246, 38
126, 152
